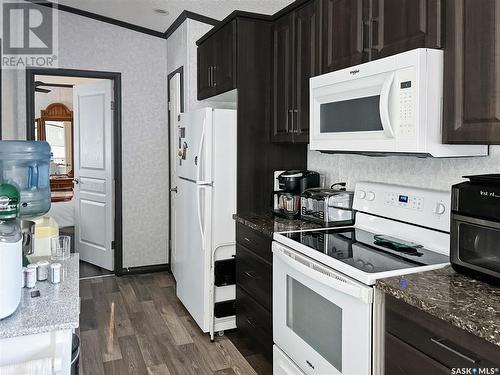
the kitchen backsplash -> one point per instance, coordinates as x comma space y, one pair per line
430, 173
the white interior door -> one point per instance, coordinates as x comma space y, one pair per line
174, 108
94, 181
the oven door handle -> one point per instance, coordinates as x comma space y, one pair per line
384, 106
333, 280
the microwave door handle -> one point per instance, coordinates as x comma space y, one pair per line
337, 282
384, 106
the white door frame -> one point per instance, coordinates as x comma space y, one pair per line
171, 184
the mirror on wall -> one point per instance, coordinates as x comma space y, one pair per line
55, 126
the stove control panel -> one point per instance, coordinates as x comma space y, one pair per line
404, 201
425, 207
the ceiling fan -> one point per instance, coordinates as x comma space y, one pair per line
40, 84
38, 87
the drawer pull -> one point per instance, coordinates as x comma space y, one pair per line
250, 321
247, 239
250, 274
442, 344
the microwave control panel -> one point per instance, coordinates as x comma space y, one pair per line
405, 86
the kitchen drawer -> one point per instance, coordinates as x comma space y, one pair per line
450, 346
254, 275
254, 241
401, 358
254, 323
282, 365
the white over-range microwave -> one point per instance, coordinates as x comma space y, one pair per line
390, 105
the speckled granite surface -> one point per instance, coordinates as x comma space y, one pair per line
464, 302
269, 224
57, 308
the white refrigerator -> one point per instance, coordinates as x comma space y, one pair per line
205, 203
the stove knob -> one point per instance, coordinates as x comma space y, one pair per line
370, 196
439, 209
361, 194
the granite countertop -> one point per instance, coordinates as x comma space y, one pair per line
57, 307
267, 223
466, 303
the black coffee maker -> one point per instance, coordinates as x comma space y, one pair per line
291, 184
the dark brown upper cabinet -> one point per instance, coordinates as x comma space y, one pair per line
307, 65
357, 31
283, 78
295, 59
341, 34
206, 61
402, 25
217, 62
471, 101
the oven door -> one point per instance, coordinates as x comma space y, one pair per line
474, 244
321, 319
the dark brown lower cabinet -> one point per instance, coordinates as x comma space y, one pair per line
418, 343
401, 358
255, 276
254, 290
254, 323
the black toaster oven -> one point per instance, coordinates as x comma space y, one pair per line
475, 227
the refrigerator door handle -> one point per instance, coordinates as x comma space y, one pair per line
198, 206
200, 158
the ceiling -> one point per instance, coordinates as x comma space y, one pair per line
142, 12
64, 80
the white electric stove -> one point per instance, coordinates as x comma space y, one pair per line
327, 317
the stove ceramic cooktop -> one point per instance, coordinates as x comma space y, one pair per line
364, 255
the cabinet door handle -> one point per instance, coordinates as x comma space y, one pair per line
442, 344
289, 121
214, 75
295, 121
250, 321
250, 274
209, 76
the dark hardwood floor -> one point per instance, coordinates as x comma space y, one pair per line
90, 270
136, 325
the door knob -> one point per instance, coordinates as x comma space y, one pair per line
76, 181
173, 190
